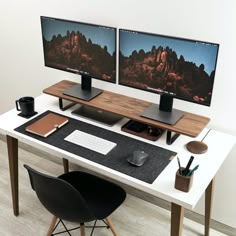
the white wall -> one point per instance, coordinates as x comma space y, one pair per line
23, 73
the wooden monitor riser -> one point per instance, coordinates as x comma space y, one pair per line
190, 124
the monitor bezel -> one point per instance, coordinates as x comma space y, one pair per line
114, 81
172, 37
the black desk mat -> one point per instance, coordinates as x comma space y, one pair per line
117, 158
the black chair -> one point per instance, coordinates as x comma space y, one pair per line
77, 197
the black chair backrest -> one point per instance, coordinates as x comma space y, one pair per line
59, 197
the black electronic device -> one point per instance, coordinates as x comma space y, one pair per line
154, 131
136, 126
103, 117
170, 66
81, 48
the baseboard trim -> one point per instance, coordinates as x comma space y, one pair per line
228, 230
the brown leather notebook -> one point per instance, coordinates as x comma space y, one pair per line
47, 124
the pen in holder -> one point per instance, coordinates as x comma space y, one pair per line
183, 182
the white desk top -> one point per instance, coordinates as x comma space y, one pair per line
219, 146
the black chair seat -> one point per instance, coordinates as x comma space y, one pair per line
101, 196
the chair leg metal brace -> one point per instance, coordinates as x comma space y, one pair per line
53, 226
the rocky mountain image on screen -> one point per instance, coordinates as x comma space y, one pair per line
161, 70
76, 52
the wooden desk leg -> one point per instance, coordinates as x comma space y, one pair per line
12, 147
66, 165
177, 215
208, 206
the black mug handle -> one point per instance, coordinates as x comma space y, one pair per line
17, 107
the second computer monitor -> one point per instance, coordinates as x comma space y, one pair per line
173, 67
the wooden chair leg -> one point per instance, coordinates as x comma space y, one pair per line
82, 229
109, 222
52, 225
65, 165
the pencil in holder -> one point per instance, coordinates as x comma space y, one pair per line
182, 182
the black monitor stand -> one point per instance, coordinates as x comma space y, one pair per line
164, 112
85, 91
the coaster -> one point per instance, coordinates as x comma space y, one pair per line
196, 147
27, 117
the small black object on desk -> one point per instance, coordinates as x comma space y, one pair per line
186, 170
27, 116
136, 126
26, 106
143, 130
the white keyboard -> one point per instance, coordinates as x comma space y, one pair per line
91, 142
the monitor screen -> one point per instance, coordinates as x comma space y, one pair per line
81, 48
182, 68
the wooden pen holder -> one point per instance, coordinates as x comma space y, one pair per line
182, 182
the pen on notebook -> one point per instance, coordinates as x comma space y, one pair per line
180, 172
191, 172
186, 170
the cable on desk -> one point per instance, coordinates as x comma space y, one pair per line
206, 135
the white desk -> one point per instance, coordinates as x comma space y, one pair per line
163, 186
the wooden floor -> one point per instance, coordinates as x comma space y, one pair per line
134, 218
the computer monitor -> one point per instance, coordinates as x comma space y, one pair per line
170, 66
81, 48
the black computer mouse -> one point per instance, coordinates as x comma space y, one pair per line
138, 158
